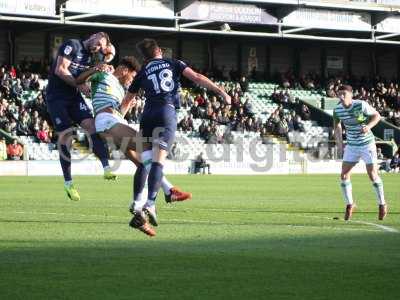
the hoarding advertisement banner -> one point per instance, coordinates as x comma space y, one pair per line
227, 12
28, 7
345, 20
163, 9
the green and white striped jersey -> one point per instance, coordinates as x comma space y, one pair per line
353, 119
107, 91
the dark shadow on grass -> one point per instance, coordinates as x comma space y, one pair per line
269, 267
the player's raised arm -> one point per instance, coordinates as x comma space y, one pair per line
83, 77
206, 83
62, 70
65, 55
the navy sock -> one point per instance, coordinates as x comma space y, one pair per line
139, 180
100, 149
65, 161
154, 181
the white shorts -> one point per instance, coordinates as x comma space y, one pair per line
105, 121
353, 154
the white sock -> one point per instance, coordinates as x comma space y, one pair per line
147, 158
150, 202
378, 188
347, 191
166, 186
107, 168
68, 183
140, 201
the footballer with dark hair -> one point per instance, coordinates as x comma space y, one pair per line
66, 105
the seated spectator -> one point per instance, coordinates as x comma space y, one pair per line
201, 101
240, 125
223, 118
186, 124
3, 118
34, 84
17, 89
305, 112
196, 111
44, 133
395, 163
202, 128
201, 163
23, 125
396, 118
290, 123
297, 125
15, 151
213, 137
244, 84
3, 149
248, 108
379, 153
283, 129
25, 82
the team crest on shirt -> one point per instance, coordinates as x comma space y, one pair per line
359, 116
67, 50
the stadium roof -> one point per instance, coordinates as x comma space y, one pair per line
329, 20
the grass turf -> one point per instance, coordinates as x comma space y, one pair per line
255, 237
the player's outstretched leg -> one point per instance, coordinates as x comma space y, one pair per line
175, 194
171, 193
118, 135
139, 181
99, 148
65, 161
154, 185
377, 185
347, 190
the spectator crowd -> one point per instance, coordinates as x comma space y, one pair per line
23, 111
382, 94
22, 107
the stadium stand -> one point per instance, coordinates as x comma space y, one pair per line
269, 112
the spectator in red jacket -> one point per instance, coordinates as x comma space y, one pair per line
15, 151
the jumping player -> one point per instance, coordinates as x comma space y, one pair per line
66, 105
160, 80
107, 94
358, 118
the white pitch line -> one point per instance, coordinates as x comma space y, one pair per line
383, 227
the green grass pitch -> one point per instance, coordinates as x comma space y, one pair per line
240, 237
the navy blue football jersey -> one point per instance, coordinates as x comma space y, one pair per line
160, 80
80, 61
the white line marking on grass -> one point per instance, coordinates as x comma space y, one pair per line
383, 227
210, 222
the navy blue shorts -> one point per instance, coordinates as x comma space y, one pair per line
159, 124
66, 112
